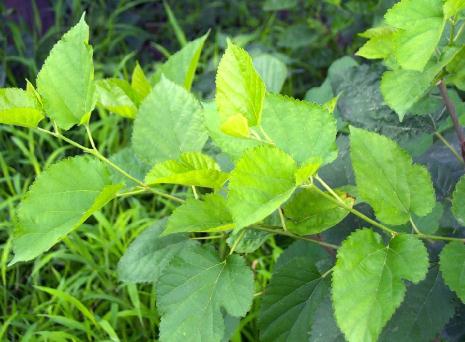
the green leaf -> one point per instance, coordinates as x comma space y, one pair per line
236, 126
232, 145
361, 104
247, 240
458, 201
208, 215
139, 83
308, 212
19, 107
387, 179
427, 307
263, 179
307, 170
117, 96
66, 80
401, 89
453, 7
302, 129
420, 24
289, 305
239, 88
169, 122
452, 266
272, 71
62, 198
149, 254
180, 67
295, 293
192, 168
194, 290
368, 280
381, 43
324, 327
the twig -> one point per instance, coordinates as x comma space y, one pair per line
453, 115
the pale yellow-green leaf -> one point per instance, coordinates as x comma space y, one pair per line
192, 168
207, 215
381, 43
117, 96
19, 107
239, 88
236, 126
140, 83
453, 7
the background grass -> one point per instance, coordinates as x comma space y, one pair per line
72, 292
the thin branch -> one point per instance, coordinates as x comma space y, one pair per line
453, 115
100, 156
341, 204
277, 230
449, 146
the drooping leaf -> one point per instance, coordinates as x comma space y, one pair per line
368, 281
295, 293
192, 168
302, 129
401, 89
452, 266
387, 179
62, 198
207, 215
195, 288
140, 83
180, 67
420, 24
239, 88
272, 71
308, 212
117, 96
247, 240
168, 123
426, 309
19, 107
230, 144
66, 80
149, 254
263, 179
458, 201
